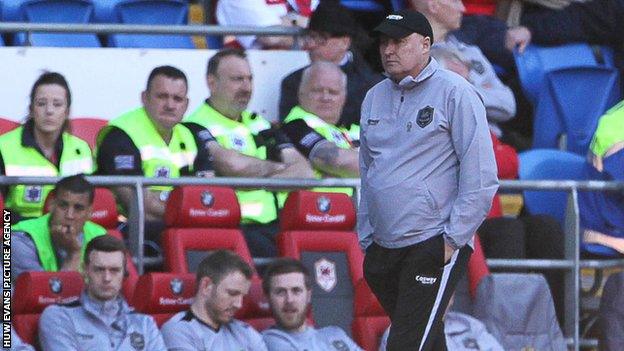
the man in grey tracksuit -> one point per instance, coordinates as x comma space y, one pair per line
428, 177
101, 319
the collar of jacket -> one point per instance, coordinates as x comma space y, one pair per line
410, 82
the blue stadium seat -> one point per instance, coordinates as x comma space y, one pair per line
58, 11
536, 61
545, 164
398, 4
571, 101
155, 12
12, 10
362, 5
104, 11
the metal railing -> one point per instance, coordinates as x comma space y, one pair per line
571, 264
191, 29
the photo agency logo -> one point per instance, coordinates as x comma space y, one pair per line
6, 279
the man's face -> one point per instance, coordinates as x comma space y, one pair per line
70, 210
324, 95
232, 83
226, 298
323, 47
104, 274
165, 101
449, 13
405, 56
289, 299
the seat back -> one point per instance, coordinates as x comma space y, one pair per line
545, 164
154, 12
518, 311
316, 228
87, 128
256, 309
34, 291
370, 320
570, 104
164, 294
7, 125
200, 219
104, 11
363, 5
536, 61
58, 11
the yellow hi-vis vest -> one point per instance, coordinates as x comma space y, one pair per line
157, 158
257, 206
19, 160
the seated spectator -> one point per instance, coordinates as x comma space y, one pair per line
223, 278
17, 344
287, 284
101, 319
528, 236
150, 141
261, 13
311, 125
602, 213
446, 16
42, 146
56, 241
267, 152
331, 37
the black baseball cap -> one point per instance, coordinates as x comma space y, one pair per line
402, 23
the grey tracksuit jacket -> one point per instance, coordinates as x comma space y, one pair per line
426, 161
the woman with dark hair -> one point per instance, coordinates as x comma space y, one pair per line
42, 146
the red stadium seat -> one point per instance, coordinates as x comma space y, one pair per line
200, 219
256, 309
7, 125
87, 129
34, 291
1, 202
370, 320
317, 228
164, 294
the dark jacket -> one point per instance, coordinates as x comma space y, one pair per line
360, 78
595, 22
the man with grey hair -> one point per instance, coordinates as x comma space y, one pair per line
311, 125
424, 144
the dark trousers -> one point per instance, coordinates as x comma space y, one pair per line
260, 238
414, 287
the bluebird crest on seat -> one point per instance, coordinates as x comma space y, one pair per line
56, 285
207, 199
323, 204
176, 286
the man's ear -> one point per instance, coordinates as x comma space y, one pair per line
205, 285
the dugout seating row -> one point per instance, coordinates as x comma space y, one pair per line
317, 228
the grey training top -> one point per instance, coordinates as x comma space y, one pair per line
426, 161
185, 332
499, 101
17, 344
89, 324
25, 257
311, 339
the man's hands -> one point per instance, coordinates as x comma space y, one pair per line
448, 252
66, 237
517, 37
